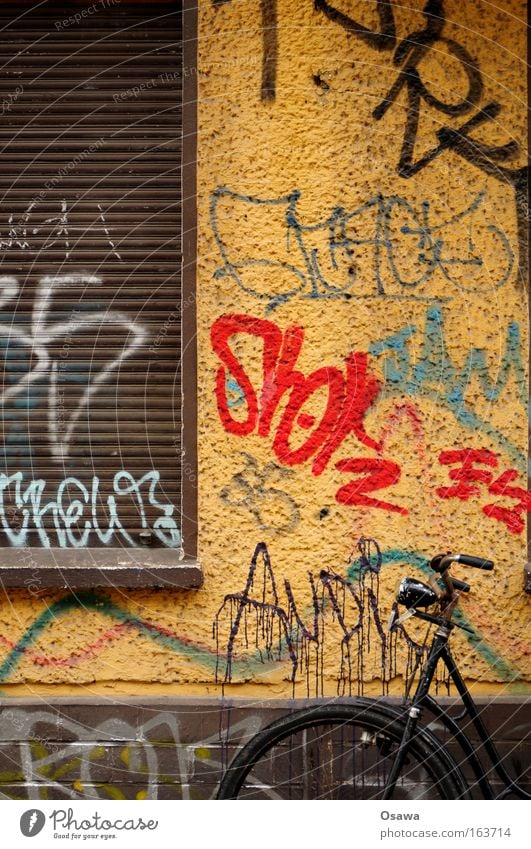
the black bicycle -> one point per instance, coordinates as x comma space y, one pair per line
368, 749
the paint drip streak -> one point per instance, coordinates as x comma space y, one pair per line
289, 628
275, 630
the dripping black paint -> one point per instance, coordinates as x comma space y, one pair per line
276, 632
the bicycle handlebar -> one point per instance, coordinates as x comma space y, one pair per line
477, 562
441, 562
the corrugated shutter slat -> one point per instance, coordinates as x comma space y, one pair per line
90, 266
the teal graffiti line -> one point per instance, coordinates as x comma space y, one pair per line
234, 390
434, 376
413, 558
100, 604
202, 655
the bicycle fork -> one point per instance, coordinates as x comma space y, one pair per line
439, 644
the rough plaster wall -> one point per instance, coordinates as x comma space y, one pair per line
318, 137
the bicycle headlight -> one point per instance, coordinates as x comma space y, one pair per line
413, 593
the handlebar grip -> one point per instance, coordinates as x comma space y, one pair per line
476, 562
441, 562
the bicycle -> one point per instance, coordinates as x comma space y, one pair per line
368, 749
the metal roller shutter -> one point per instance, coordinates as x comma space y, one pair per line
90, 289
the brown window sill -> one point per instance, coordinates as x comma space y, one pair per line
33, 568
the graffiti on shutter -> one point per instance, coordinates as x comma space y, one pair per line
90, 215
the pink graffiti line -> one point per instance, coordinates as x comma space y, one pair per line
409, 411
73, 659
92, 650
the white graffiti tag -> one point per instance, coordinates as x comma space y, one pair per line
74, 510
42, 333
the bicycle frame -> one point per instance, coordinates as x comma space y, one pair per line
440, 651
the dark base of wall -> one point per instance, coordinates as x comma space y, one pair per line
166, 748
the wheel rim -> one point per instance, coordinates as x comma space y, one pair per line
334, 760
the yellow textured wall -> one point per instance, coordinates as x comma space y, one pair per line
321, 214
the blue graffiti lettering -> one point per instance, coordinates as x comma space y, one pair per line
435, 376
401, 246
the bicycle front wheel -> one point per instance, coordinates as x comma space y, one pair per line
336, 752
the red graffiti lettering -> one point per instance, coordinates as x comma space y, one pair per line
467, 475
348, 397
328, 377
361, 391
282, 376
221, 332
511, 517
377, 475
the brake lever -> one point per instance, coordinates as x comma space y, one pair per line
412, 611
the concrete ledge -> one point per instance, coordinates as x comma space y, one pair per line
175, 748
40, 568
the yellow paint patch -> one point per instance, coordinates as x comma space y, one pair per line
316, 207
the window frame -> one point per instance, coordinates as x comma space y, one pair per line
35, 568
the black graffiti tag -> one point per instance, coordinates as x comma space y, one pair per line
269, 16
408, 54
383, 40
256, 489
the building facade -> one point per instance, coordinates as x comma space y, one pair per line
337, 216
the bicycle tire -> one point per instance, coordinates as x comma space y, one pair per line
340, 751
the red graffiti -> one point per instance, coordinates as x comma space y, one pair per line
513, 518
349, 395
468, 478
378, 474
467, 475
